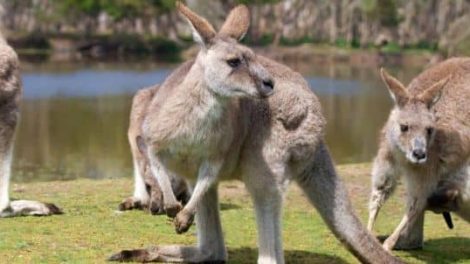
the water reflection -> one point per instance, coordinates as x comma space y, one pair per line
75, 116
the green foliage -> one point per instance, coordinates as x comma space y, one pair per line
36, 40
425, 45
117, 9
385, 11
256, 2
89, 7
264, 40
342, 43
165, 49
463, 47
391, 47
296, 42
137, 45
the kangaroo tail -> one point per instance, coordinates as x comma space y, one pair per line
326, 192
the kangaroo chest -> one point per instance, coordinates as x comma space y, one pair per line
202, 133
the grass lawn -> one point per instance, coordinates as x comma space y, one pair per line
91, 229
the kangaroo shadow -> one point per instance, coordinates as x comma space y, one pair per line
443, 250
228, 206
249, 255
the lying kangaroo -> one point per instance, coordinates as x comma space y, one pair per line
10, 97
426, 139
147, 192
230, 114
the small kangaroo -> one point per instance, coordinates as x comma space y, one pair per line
10, 98
426, 139
230, 114
147, 193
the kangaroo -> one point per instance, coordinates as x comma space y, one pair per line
230, 114
10, 98
147, 193
426, 139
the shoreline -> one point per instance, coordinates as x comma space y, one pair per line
346, 167
130, 47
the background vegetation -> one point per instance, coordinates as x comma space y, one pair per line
149, 25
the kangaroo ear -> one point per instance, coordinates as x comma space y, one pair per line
237, 23
395, 87
203, 32
432, 95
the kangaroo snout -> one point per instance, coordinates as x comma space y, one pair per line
418, 151
266, 88
419, 154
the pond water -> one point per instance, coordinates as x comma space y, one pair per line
75, 115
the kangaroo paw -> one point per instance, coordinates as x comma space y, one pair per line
131, 203
32, 208
183, 221
170, 253
136, 255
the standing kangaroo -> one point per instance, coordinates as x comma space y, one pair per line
10, 97
147, 193
427, 140
230, 114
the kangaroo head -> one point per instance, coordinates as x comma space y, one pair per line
229, 68
411, 126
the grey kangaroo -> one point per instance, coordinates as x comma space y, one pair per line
10, 98
230, 114
427, 140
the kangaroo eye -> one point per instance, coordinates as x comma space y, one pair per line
234, 63
429, 130
404, 128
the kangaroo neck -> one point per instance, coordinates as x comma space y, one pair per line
204, 105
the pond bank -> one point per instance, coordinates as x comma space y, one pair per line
121, 46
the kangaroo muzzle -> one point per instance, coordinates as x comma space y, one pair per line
264, 82
266, 88
419, 151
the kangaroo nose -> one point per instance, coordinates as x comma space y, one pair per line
267, 87
419, 154
268, 84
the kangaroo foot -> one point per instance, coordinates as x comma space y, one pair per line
131, 203
183, 221
31, 208
171, 253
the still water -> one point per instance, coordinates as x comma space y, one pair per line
75, 116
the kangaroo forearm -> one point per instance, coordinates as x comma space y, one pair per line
206, 178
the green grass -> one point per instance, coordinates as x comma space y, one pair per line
91, 229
